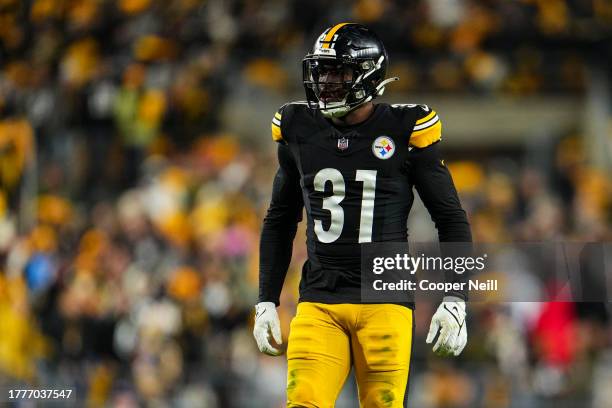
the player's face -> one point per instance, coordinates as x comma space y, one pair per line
333, 80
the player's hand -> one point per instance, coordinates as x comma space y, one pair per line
266, 323
449, 319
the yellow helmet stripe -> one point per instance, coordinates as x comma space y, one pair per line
331, 34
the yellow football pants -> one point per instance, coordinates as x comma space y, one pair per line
326, 338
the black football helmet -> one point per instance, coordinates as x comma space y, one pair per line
346, 69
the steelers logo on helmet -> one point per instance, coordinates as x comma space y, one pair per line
383, 147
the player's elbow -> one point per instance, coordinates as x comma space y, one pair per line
453, 226
282, 216
280, 225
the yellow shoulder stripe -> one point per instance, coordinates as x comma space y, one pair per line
331, 34
276, 133
277, 115
426, 118
426, 137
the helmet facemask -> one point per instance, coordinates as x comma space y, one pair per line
336, 86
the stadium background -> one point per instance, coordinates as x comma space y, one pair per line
136, 163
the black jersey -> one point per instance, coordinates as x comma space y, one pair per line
356, 183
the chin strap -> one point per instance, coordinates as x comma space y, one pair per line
380, 89
336, 112
343, 110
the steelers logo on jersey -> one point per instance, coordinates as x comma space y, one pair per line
383, 147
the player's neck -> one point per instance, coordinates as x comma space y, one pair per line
356, 116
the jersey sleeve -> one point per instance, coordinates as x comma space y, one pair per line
427, 129
279, 227
277, 132
435, 186
283, 123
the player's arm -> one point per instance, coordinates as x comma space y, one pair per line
276, 245
279, 228
435, 186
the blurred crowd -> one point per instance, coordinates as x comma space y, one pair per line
130, 218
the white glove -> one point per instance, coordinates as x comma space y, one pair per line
266, 322
450, 319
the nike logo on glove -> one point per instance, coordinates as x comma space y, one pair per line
455, 313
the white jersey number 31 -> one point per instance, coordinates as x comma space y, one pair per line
332, 204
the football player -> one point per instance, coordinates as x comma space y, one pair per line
353, 165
